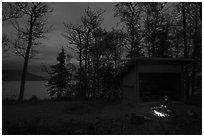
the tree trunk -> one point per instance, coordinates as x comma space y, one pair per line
185, 50
115, 58
148, 41
80, 67
85, 70
184, 31
177, 47
25, 65
23, 77
133, 51
190, 37
195, 48
154, 36
97, 71
200, 5
59, 95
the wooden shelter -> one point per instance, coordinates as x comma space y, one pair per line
144, 79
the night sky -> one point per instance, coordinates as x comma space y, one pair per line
48, 51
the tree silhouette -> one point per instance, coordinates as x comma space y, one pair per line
130, 14
74, 35
190, 19
10, 11
28, 34
184, 30
155, 23
150, 29
86, 37
60, 79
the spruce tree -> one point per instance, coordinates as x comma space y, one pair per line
60, 80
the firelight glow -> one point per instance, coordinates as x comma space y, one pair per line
160, 114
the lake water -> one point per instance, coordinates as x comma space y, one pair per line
10, 89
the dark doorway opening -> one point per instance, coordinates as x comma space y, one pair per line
154, 86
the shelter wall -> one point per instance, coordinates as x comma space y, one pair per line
129, 87
130, 82
159, 66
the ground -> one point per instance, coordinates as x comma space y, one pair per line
95, 117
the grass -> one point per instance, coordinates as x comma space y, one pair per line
95, 117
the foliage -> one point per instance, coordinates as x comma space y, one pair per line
60, 79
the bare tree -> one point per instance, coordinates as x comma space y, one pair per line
91, 21
184, 30
189, 18
130, 14
9, 11
92, 27
85, 37
153, 21
196, 45
28, 34
74, 35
